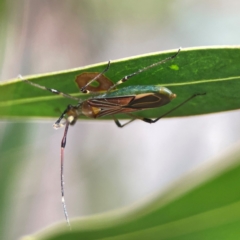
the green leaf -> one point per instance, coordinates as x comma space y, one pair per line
213, 70
205, 204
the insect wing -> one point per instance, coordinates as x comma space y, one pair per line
111, 106
149, 100
127, 104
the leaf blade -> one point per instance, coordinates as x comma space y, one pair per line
211, 70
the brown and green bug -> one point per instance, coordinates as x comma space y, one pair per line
106, 100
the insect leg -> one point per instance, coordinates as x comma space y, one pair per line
48, 89
122, 125
173, 109
126, 78
83, 89
58, 123
149, 120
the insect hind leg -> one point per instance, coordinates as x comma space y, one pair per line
173, 109
149, 120
122, 125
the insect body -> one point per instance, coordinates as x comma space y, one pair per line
107, 100
135, 98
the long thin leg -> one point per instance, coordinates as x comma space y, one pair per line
124, 79
122, 125
58, 123
63, 144
83, 89
49, 89
149, 120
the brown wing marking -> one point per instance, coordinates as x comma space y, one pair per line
111, 106
149, 100
117, 101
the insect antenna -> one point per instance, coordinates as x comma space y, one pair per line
63, 144
124, 79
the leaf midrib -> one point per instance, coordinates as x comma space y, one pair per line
54, 97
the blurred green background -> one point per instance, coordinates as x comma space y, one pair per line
106, 167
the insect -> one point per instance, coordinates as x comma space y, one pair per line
107, 100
